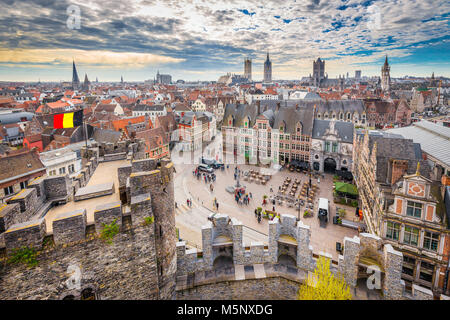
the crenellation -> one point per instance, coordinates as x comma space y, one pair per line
70, 227
9, 215
106, 214
25, 234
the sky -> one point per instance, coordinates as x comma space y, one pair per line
202, 40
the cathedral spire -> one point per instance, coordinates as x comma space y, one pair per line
75, 79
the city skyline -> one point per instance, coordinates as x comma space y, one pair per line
196, 40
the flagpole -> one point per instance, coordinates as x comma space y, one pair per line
85, 133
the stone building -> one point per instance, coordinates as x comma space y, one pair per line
332, 145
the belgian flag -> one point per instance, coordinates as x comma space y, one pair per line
68, 120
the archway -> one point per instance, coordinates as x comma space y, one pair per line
329, 165
222, 262
287, 260
87, 294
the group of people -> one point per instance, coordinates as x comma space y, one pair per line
206, 177
189, 203
241, 197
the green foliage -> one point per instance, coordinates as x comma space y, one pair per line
148, 220
354, 203
341, 213
24, 255
306, 214
324, 285
109, 231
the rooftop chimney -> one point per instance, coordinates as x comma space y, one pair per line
399, 168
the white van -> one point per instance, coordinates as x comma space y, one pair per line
323, 209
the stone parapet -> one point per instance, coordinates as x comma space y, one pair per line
25, 234
70, 227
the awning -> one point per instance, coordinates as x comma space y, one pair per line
347, 188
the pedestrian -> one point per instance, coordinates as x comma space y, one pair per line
187, 202
259, 217
273, 201
251, 196
256, 213
273, 208
217, 205
271, 190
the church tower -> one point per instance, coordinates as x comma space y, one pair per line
268, 70
75, 79
248, 69
385, 76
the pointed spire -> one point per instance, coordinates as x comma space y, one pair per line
386, 61
75, 79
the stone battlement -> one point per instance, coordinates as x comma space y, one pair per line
289, 245
139, 263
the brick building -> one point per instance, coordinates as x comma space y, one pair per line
401, 204
17, 168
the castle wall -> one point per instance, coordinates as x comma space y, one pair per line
276, 288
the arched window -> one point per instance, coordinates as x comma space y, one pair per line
87, 294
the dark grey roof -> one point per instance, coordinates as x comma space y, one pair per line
239, 112
331, 105
389, 147
103, 135
15, 117
144, 107
344, 130
289, 116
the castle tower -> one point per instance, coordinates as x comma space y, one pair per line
75, 79
268, 70
149, 177
385, 76
248, 69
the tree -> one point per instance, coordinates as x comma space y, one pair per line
324, 285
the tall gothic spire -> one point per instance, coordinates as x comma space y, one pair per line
75, 79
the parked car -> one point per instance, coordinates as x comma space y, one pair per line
205, 168
212, 163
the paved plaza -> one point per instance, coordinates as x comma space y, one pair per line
190, 219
